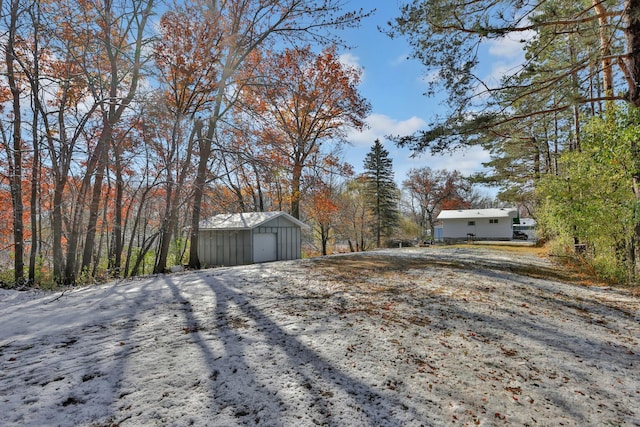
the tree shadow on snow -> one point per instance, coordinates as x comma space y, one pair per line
267, 376
73, 360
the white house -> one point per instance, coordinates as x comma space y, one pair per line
250, 237
482, 224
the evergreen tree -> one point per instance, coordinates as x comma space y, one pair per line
382, 192
577, 54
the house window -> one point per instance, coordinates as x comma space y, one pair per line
493, 221
471, 223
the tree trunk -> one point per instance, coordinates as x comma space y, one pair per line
259, 189
113, 111
194, 231
15, 160
34, 205
205, 145
134, 229
94, 209
165, 232
605, 46
143, 252
632, 71
295, 190
632, 61
98, 254
536, 161
59, 267
115, 253
35, 163
324, 238
79, 208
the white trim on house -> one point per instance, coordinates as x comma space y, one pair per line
478, 213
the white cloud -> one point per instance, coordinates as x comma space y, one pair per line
466, 161
509, 46
499, 69
431, 77
381, 125
400, 59
508, 53
350, 60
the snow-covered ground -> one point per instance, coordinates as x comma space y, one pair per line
410, 337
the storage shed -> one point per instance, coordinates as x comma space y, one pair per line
482, 224
250, 237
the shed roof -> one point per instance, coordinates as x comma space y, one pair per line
245, 220
478, 213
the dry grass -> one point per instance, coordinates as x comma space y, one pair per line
352, 267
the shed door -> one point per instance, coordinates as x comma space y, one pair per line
264, 247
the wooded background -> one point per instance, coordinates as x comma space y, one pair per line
125, 123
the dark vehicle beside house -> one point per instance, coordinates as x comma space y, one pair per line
520, 235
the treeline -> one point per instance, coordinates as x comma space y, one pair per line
124, 124
561, 126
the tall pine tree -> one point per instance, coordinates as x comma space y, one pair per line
382, 192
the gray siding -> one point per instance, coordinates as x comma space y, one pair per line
235, 247
289, 241
218, 247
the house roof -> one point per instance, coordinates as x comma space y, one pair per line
245, 220
478, 213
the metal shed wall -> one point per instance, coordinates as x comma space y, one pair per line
235, 247
288, 244
225, 247
288, 238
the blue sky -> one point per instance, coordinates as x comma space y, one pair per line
395, 86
